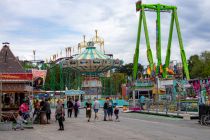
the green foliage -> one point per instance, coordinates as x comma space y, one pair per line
199, 66
112, 85
28, 65
128, 69
118, 80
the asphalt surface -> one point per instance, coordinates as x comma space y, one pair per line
132, 126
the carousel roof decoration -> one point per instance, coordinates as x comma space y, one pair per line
92, 60
82, 44
68, 51
98, 40
91, 53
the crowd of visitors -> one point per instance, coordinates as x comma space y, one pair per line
109, 109
42, 111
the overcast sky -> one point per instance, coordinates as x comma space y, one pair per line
49, 26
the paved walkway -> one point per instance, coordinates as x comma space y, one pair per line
133, 126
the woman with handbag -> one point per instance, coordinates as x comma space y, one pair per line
60, 114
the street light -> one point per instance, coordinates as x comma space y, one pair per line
34, 52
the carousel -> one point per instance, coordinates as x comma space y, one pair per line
92, 63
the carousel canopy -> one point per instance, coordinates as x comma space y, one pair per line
91, 53
92, 61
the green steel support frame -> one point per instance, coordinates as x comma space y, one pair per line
183, 56
136, 55
168, 53
158, 45
149, 52
158, 8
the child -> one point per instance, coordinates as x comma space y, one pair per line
19, 121
116, 113
88, 109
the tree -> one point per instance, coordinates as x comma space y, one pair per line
128, 69
199, 66
118, 79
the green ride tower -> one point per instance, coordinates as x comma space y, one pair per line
158, 8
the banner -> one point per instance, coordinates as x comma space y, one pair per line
39, 73
16, 76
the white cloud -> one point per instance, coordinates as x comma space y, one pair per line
24, 24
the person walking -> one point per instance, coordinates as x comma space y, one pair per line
43, 105
116, 113
43, 112
110, 109
142, 101
60, 115
48, 110
36, 107
105, 108
88, 109
24, 108
70, 107
76, 108
96, 107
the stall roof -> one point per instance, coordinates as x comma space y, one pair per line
8, 62
74, 92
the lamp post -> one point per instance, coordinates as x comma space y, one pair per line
34, 52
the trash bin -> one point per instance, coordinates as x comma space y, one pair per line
43, 118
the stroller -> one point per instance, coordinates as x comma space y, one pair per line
19, 121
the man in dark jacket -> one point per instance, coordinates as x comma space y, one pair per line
48, 110
106, 108
70, 106
43, 105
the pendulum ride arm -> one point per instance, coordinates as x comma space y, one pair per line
149, 52
158, 47
183, 56
136, 55
168, 53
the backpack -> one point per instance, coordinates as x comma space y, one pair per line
76, 105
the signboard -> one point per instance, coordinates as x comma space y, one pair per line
93, 82
16, 76
163, 83
144, 84
39, 73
